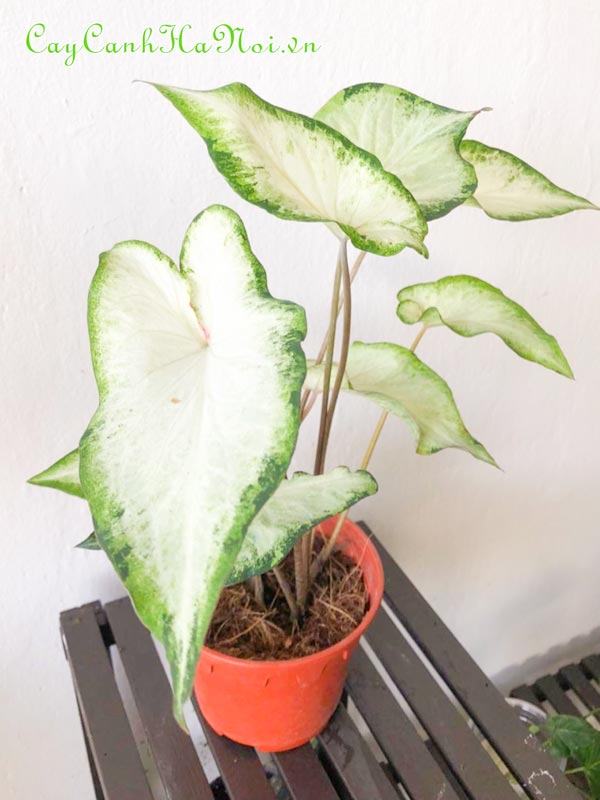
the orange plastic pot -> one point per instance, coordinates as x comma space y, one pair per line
278, 705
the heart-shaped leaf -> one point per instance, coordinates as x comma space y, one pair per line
510, 189
414, 139
296, 506
393, 377
62, 475
470, 306
573, 737
299, 504
199, 372
299, 168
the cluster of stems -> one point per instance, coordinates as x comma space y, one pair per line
307, 568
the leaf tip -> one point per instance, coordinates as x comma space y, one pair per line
480, 452
44, 479
178, 714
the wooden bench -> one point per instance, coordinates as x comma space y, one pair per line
415, 687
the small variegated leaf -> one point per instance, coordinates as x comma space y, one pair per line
62, 475
399, 382
298, 168
90, 542
413, 138
199, 372
470, 306
297, 505
510, 189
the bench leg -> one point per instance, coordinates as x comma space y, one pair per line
95, 778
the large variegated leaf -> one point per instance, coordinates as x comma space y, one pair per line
299, 504
62, 475
298, 168
199, 372
510, 189
470, 306
393, 377
416, 140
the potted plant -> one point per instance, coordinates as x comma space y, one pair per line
203, 386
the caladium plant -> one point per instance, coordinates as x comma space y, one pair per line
203, 383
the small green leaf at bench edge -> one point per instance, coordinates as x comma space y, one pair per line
470, 306
510, 189
199, 372
298, 168
395, 379
297, 505
62, 475
573, 737
416, 140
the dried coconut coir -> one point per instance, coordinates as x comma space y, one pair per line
337, 603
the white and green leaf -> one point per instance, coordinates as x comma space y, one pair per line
470, 306
298, 505
510, 189
199, 371
416, 140
299, 168
395, 379
62, 475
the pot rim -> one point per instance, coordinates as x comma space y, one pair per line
375, 598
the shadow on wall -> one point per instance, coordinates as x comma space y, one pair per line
549, 662
533, 578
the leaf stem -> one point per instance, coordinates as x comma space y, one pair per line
344, 348
326, 551
302, 548
258, 589
287, 592
309, 396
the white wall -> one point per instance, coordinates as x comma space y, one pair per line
510, 559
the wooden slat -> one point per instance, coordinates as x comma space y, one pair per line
240, 767
304, 774
172, 749
395, 734
94, 772
111, 741
442, 721
551, 690
574, 676
535, 769
592, 665
354, 765
443, 765
526, 693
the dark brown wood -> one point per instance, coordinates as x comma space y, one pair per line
574, 677
172, 750
443, 765
94, 772
537, 772
395, 734
526, 693
242, 772
442, 721
353, 765
304, 774
591, 666
550, 689
118, 764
